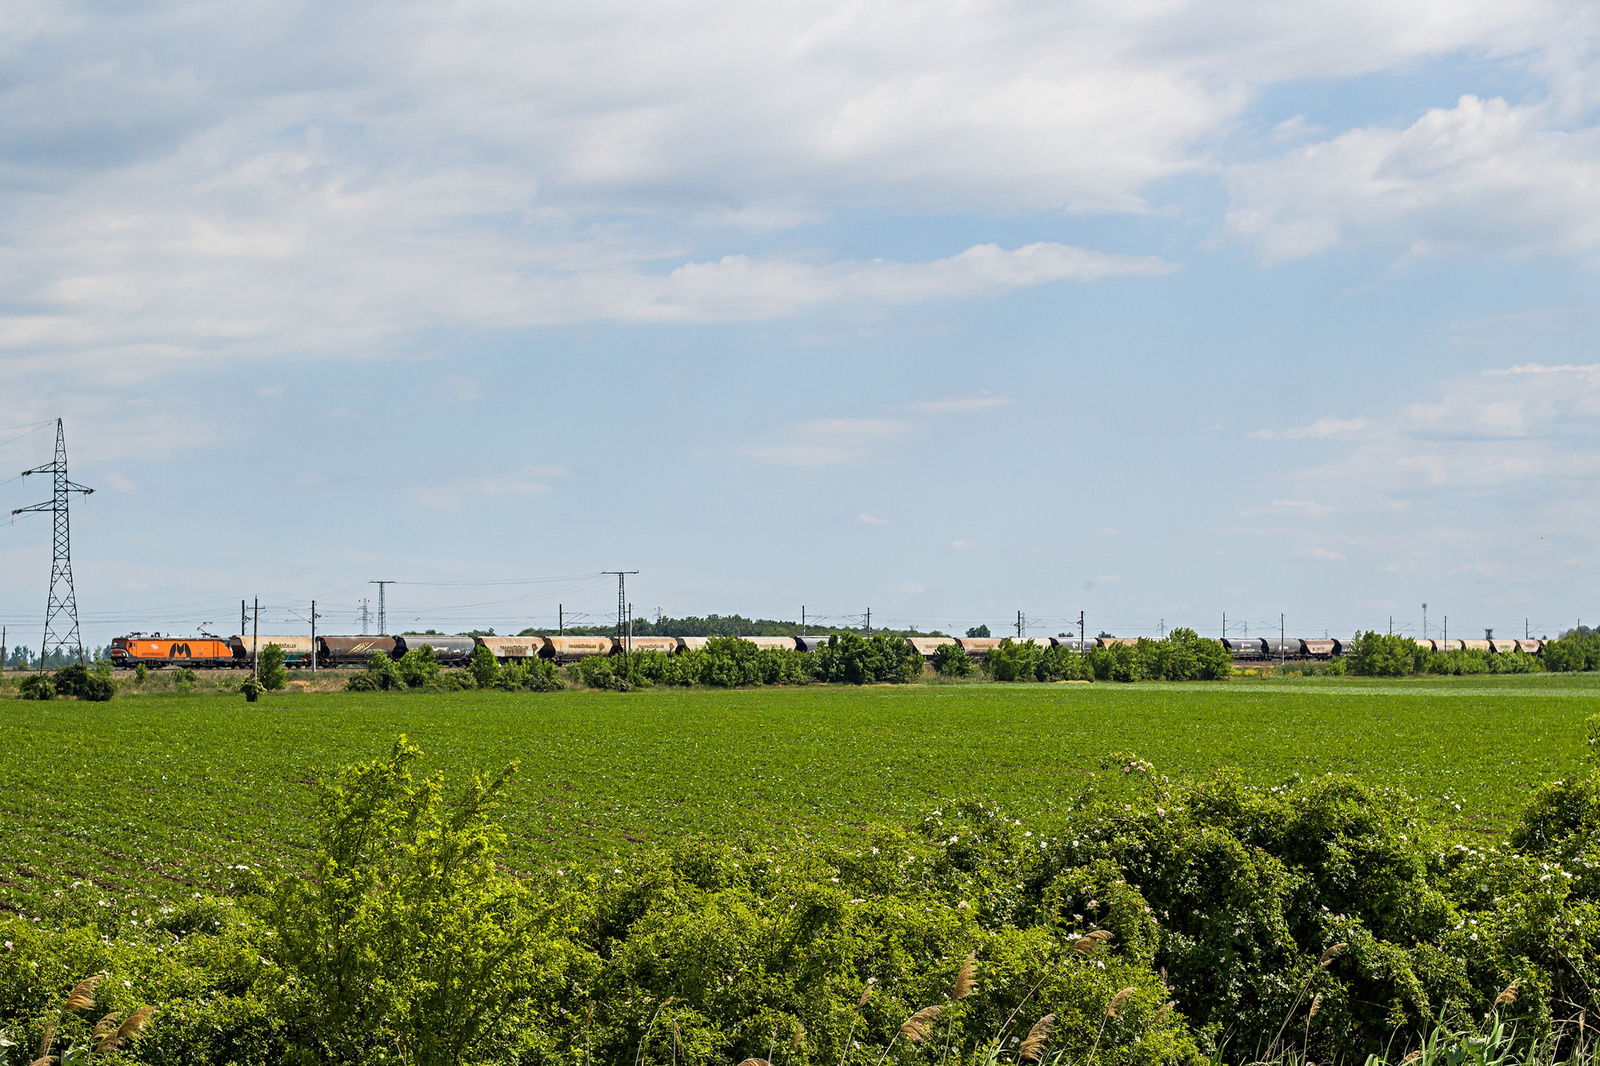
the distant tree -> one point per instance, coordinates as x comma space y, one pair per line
978, 631
274, 675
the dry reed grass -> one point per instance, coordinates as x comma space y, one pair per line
965, 977
1032, 1048
915, 1029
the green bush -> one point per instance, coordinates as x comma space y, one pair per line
274, 675
85, 684
530, 675
37, 687
418, 667
951, 660
1386, 655
1573, 652
857, 660
252, 688
1182, 655
1011, 661
599, 671
1064, 664
485, 670
140, 672
408, 939
379, 676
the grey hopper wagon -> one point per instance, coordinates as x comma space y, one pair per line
451, 651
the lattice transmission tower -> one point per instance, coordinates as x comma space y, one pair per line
61, 616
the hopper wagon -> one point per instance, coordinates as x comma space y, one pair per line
298, 651
512, 649
353, 651
664, 645
926, 646
978, 647
571, 649
450, 651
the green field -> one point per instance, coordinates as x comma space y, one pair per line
158, 794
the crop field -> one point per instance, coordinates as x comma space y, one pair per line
155, 795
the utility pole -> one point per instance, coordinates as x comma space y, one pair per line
313, 638
802, 619
366, 616
1163, 629
561, 620
869, 621
622, 602
629, 648
1424, 621
1019, 627
1083, 635
243, 627
2, 649
63, 634
255, 639
383, 617
1224, 625
1447, 631
1280, 639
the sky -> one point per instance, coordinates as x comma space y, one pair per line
1157, 310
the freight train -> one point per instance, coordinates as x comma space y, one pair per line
211, 652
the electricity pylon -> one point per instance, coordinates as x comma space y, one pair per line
61, 616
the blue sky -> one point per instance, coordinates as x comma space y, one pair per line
1154, 311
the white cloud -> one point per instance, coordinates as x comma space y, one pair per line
873, 520
1484, 177
1321, 429
960, 545
1497, 463
178, 183
950, 405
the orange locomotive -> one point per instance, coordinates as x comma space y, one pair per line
156, 651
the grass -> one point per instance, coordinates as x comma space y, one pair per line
155, 793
